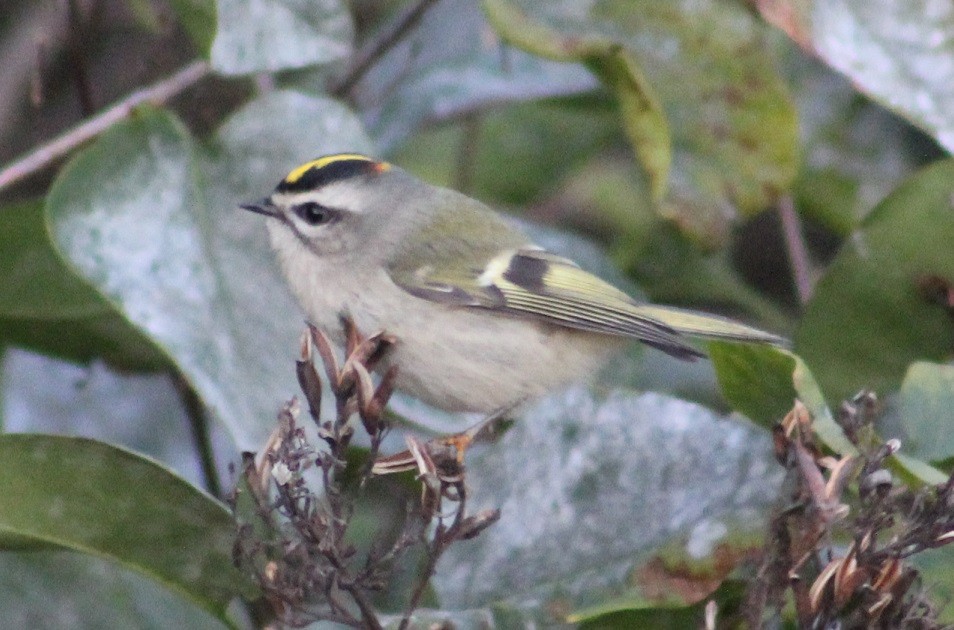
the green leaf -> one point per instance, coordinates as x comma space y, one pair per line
198, 18
104, 501
60, 589
873, 312
34, 281
755, 379
642, 115
274, 35
763, 382
141, 412
938, 577
606, 500
728, 596
109, 337
899, 53
151, 220
548, 138
45, 306
658, 618
823, 422
675, 579
915, 472
732, 121
927, 411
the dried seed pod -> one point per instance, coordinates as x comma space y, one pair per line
374, 411
819, 588
308, 378
848, 578
887, 577
328, 359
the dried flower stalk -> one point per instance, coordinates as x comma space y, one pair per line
296, 544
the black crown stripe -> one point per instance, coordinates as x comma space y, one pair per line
318, 176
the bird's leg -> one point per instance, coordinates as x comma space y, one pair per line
429, 456
482, 430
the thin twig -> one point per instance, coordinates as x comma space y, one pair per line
368, 616
796, 248
380, 45
443, 538
199, 426
63, 144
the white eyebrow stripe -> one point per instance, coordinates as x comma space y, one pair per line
333, 196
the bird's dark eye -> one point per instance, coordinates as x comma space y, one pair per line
314, 213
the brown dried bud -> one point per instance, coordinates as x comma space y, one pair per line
848, 578
797, 421
372, 414
270, 572
351, 334
887, 577
819, 588
840, 474
327, 354
310, 384
874, 611
390, 464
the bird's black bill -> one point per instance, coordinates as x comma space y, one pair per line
262, 206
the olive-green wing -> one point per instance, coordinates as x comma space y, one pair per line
533, 283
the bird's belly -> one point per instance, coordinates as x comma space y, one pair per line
456, 358
464, 359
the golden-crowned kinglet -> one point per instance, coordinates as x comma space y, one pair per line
483, 317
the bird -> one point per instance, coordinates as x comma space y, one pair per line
483, 317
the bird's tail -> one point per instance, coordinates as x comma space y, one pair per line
709, 326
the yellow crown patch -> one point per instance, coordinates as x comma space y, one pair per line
328, 160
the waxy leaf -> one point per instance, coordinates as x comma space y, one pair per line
732, 122
47, 307
591, 487
272, 35
151, 219
94, 498
926, 409
899, 52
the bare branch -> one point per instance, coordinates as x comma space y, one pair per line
796, 248
62, 145
376, 48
